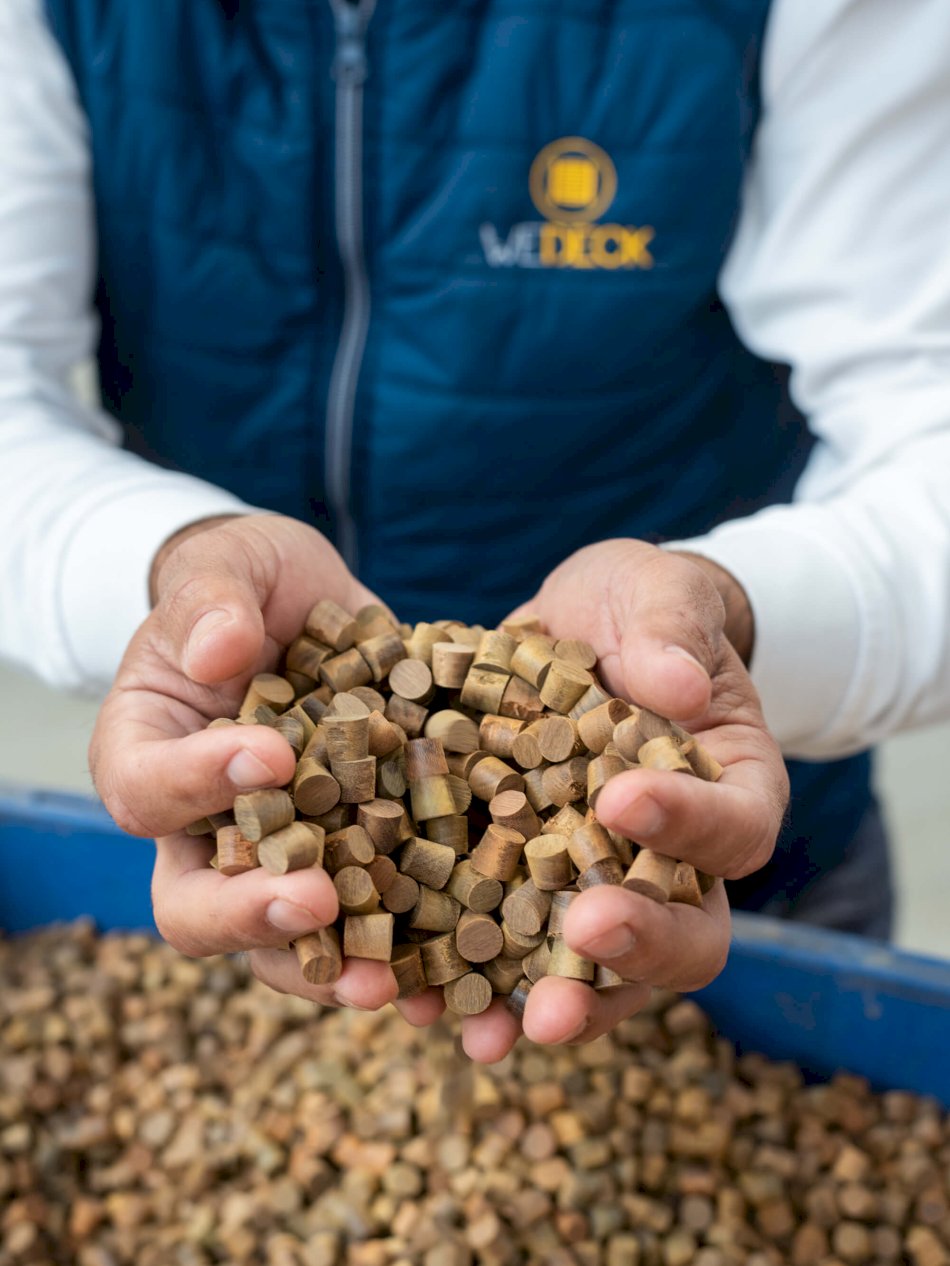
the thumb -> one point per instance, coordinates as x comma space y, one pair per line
209, 608
672, 641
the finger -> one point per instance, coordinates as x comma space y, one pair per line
422, 1010
674, 946
559, 1011
201, 912
363, 985
154, 785
727, 828
209, 606
672, 638
488, 1037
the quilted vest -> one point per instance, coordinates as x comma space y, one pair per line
440, 278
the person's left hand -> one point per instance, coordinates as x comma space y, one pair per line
658, 624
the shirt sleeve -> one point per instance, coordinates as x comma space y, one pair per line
841, 269
80, 520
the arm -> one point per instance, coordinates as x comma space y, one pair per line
841, 268
80, 520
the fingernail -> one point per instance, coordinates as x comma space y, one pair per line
203, 628
344, 1001
645, 818
248, 771
613, 943
577, 1032
287, 917
685, 654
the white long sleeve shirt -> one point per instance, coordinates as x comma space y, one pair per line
840, 268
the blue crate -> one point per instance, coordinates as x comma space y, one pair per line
825, 1000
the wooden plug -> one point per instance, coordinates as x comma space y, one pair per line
607, 978
301, 682
382, 653
497, 734
651, 874
412, 679
576, 652
483, 690
450, 664
536, 963
327, 622
461, 793
344, 703
498, 853
478, 937
702, 763
521, 700
269, 690
431, 796
357, 779
454, 730
465, 634
316, 748
495, 651
406, 964
599, 773
592, 698
685, 888
421, 640
532, 659
401, 895
219, 723
319, 956
409, 716
519, 944
640, 727
607, 871
589, 844
383, 737
559, 904
504, 974
476, 892
441, 960
350, 847
385, 822
263, 714
434, 911
517, 999
346, 737
372, 700
259, 813
563, 685
565, 822
597, 726
549, 862
429, 863
368, 936
511, 809
566, 782
391, 777
462, 763
201, 827
293, 847
663, 753
558, 739
382, 871
335, 819
470, 994
344, 671
236, 853
565, 962
526, 910
491, 776
451, 830
355, 890
522, 626
526, 748
313, 705
305, 655
535, 792
373, 620
294, 731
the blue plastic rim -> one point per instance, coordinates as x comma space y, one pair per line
822, 999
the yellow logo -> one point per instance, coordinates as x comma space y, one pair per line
572, 182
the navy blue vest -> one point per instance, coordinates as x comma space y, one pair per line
524, 354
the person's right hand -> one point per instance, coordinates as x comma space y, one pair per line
230, 595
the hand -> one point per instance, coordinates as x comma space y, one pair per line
658, 622
229, 596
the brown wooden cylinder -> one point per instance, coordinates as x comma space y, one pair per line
385, 822
535, 792
526, 748
483, 690
305, 655
522, 626
350, 847
368, 936
372, 620
461, 793
346, 670
663, 753
451, 830
470, 994
590, 843
434, 911
327, 622
498, 853
685, 887
409, 716
474, 891
521, 700
441, 960
497, 734
293, 847
566, 821
382, 871
597, 726
526, 909
566, 782
607, 871
357, 779
450, 664
549, 862
462, 763
558, 739
346, 737
319, 956
535, 964
517, 999
382, 653
315, 704
432, 798
518, 944
425, 758
592, 698
259, 813
495, 650
236, 853
382, 736
703, 764
355, 890
371, 699
401, 895
267, 689
607, 978
291, 729
651, 875
565, 962
599, 772
406, 964
511, 809
491, 776
391, 776
454, 730
576, 651
478, 937
503, 974
427, 862
532, 658
412, 679
421, 640
559, 905
346, 703
563, 685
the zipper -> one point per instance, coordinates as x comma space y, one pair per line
349, 70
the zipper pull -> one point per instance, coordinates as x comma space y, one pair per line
349, 64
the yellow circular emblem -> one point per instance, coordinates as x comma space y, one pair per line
572, 179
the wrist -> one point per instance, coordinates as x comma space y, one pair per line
739, 621
168, 547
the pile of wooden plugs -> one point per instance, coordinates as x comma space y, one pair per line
447, 778
161, 1111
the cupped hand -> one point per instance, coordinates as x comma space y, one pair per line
658, 622
229, 596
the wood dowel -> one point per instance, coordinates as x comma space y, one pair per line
474, 891
558, 739
511, 809
350, 847
451, 830
305, 655
441, 960
549, 862
535, 964
565, 962
663, 753
450, 664
651, 875
382, 653
345, 703
478, 937
497, 734
597, 726
517, 944
521, 700
432, 798
523, 626
385, 822
293, 847
425, 758
526, 910
346, 670
703, 764
498, 852
347, 738
372, 620
357, 779
535, 791
526, 748
468, 995
368, 936
327, 622
559, 904
420, 642
495, 651
372, 700
685, 888
599, 772
462, 763
563, 685
382, 736
434, 911
429, 863
319, 956
269, 689
236, 853
406, 964
576, 652
567, 781
291, 729
503, 974
532, 658
382, 871
590, 843
259, 813
401, 895
517, 999
355, 890
391, 777
412, 679
607, 871
592, 698
565, 822
491, 776
454, 730
484, 690
409, 716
